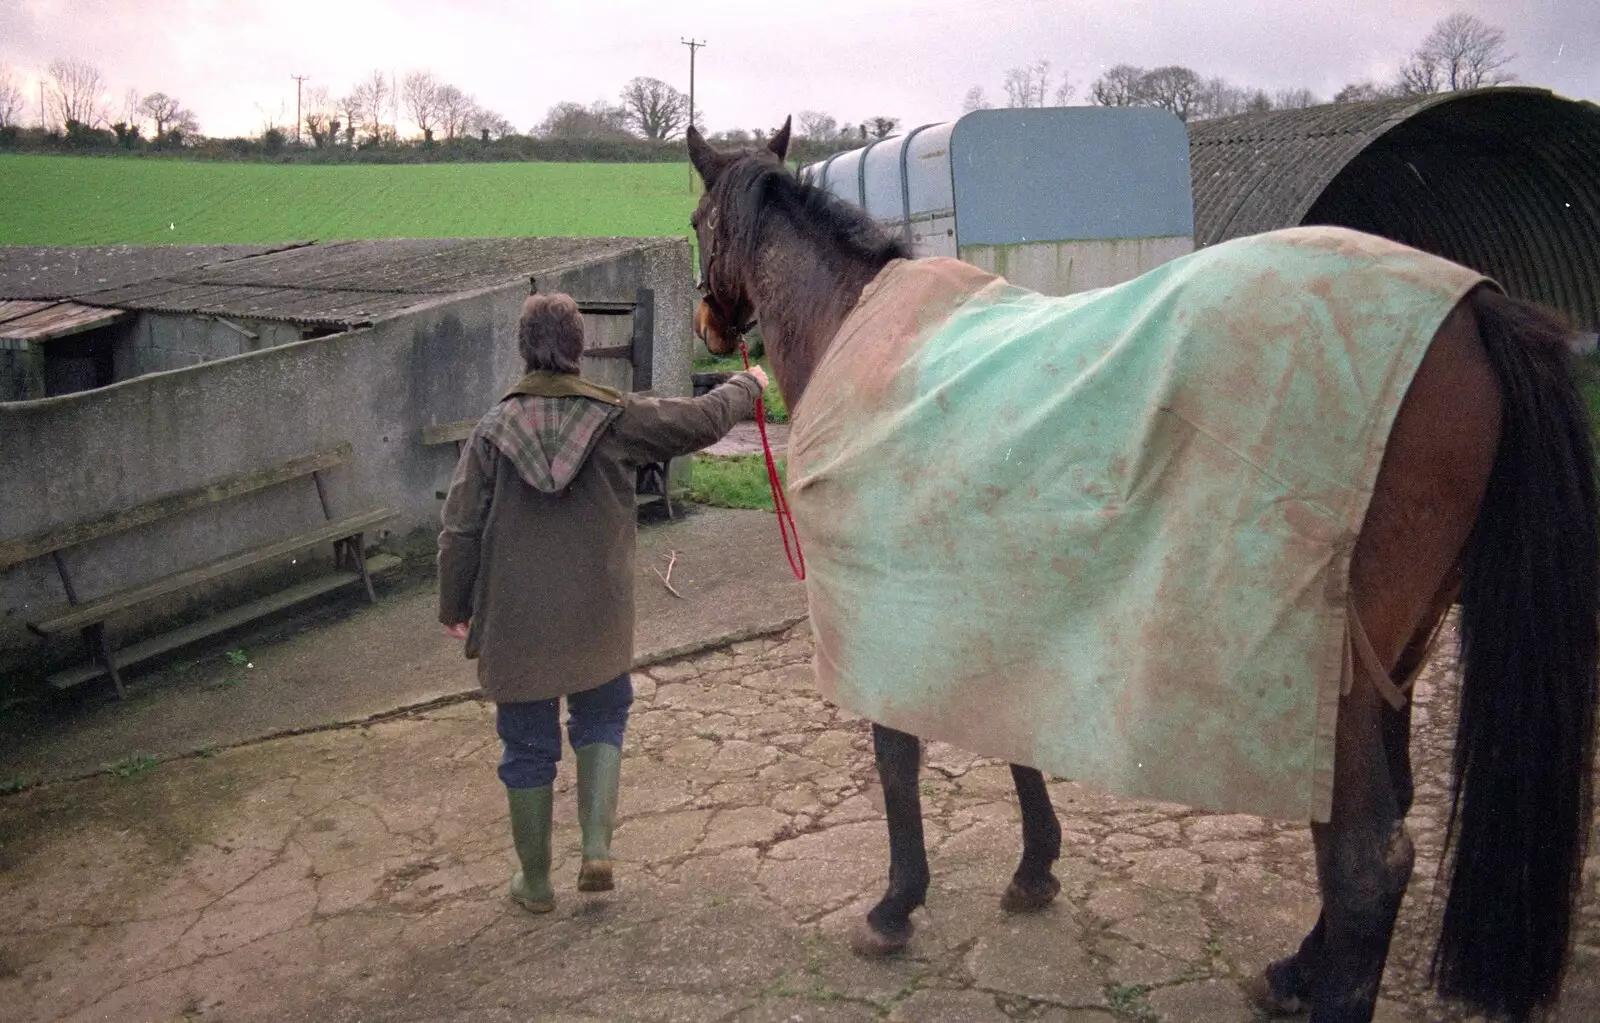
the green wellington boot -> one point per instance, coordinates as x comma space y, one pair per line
599, 773
530, 833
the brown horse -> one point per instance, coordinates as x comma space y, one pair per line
1485, 497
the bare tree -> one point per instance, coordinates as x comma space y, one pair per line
975, 100
1359, 92
655, 109
575, 121
816, 126
1065, 91
421, 92
1294, 99
1028, 86
882, 127
168, 115
1172, 88
1420, 75
487, 125
1217, 97
350, 110
1465, 53
455, 108
12, 100
76, 91
374, 95
128, 111
1120, 86
320, 115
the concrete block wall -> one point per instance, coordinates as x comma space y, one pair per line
14, 374
161, 341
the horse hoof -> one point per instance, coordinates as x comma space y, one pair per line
1260, 991
595, 876
1029, 899
870, 943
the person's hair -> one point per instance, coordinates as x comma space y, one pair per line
550, 333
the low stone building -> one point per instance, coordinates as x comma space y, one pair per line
134, 378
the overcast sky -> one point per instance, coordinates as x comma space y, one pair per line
231, 60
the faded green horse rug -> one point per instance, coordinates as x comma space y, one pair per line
1108, 535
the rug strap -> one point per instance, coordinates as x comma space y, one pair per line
1396, 695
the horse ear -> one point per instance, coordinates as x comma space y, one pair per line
780, 142
706, 160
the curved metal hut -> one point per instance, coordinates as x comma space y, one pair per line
1504, 180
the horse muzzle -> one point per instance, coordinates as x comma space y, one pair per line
708, 329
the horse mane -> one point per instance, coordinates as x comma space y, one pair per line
750, 187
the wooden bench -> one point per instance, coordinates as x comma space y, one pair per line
89, 617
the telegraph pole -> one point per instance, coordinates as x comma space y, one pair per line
297, 80
693, 45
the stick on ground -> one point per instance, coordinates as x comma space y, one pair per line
666, 580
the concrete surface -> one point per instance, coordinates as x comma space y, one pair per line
730, 570
745, 439
360, 873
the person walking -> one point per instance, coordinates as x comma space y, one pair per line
536, 572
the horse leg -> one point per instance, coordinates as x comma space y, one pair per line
1284, 987
1033, 886
1402, 578
888, 926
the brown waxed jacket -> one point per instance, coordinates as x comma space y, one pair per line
537, 545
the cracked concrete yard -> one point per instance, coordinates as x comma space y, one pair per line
359, 874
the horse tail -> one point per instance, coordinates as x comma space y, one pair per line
1530, 625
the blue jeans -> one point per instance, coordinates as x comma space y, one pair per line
530, 733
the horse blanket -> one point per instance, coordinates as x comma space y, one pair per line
1108, 535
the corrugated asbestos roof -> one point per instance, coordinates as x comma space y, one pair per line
340, 284
1504, 180
55, 272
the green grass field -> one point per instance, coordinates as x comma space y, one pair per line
52, 200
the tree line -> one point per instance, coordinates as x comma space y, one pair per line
77, 102
416, 116
1460, 52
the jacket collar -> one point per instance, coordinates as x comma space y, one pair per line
545, 384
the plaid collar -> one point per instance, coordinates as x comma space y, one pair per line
548, 439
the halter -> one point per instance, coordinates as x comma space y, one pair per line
737, 332
726, 326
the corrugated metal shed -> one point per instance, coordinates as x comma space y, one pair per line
340, 284
1504, 180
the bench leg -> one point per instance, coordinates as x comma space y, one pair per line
100, 650
357, 548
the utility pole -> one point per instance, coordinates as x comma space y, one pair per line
44, 113
693, 45
297, 80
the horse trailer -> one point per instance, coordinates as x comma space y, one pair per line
1056, 199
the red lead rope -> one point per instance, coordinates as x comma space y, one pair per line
779, 503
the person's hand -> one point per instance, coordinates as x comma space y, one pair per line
457, 631
760, 375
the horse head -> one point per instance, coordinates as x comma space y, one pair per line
726, 310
